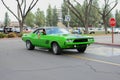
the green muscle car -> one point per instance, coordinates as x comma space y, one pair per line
56, 39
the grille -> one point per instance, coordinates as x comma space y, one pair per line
80, 40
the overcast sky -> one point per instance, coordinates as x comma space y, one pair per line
42, 4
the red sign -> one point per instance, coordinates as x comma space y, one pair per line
112, 22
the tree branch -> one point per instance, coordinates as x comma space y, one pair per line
10, 10
78, 3
31, 6
112, 7
24, 7
19, 7
76, 11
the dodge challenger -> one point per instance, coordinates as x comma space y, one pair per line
56, 39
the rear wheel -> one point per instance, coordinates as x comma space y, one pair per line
82, 48
56, 49
29, 45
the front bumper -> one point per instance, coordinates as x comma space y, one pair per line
72, 45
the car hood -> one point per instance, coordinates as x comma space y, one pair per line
72, 36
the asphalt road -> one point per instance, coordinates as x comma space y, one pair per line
98, 63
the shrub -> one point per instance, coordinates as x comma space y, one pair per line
2, 35
19, 34
11, 35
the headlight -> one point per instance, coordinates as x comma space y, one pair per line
69, 40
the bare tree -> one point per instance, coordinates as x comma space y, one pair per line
22, 10
106, 12
106, 9
82, 16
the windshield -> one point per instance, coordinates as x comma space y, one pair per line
56, 31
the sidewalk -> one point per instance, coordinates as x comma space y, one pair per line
107, 40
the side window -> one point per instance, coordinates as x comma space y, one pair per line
39, 31
36, 32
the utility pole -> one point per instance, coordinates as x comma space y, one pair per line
67, 18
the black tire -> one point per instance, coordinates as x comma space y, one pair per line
82, 48
50, 50
29, 45
92, 32
56, 49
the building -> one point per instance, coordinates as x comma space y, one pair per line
60, 19
14, 24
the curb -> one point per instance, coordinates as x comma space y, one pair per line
108, 44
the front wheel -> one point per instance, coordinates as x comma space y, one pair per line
82, 48
56, 49
29, 45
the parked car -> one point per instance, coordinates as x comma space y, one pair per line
78, 31
8, 29
17, 30
99, 29
27, 29
1, 29
115, 30
56, 39
91, 31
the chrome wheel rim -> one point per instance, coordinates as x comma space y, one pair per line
28, 44
55, 47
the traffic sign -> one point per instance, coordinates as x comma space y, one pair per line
112, 22
67, 18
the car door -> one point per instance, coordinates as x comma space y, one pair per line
39, 38
35, 38
42, 40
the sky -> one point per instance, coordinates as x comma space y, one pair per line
42, 4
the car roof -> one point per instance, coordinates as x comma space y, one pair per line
48, 27
45, 27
